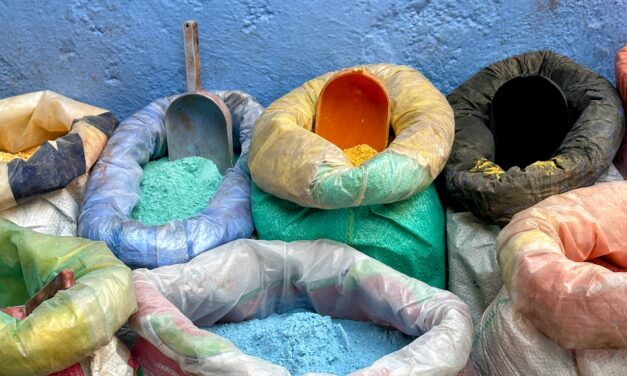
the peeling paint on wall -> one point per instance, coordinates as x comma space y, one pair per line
121, 55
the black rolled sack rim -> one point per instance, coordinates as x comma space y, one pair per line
526, 128
56, 163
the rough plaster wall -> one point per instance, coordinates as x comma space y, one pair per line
121, 54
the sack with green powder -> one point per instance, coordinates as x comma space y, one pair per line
407, 235
115, 188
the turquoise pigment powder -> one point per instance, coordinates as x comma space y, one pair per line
303, 341
175, 190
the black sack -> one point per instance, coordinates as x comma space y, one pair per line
594, 122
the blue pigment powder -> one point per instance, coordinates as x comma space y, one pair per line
308, 342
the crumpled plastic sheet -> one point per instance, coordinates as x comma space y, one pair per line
508, 344
313, 172
547, 255
248, 278
75, 322
53, 213
473, 270
113, 191
110, 360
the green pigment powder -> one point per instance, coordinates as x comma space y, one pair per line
175, 190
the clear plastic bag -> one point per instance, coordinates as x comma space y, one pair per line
247, 278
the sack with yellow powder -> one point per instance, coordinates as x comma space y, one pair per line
382, 204
49, 142
529, 127
290, 161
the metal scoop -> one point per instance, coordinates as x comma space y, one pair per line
62, 281
198, 123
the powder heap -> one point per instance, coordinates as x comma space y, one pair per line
360, 154
308, 342
175, 190
7, 157
487, 167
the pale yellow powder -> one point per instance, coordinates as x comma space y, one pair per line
487, 167
549, 167
7, 157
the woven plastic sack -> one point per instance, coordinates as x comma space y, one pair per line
473, 271
248, 278
474, 274
507, 344
113, 359
543, 253
407, 235
113, 191
621, 85
313, 172
47, 141
595, 117
75, 322
52, 213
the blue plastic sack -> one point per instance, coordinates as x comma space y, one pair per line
113, 190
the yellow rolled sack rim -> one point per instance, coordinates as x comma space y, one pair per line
75, 322
291, 162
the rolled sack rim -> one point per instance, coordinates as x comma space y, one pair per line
447, 321
318, 174
495, 195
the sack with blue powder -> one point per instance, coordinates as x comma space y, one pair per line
249, 279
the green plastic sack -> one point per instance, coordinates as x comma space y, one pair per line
75, 322
407, 235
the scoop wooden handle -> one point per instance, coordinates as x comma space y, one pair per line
192, 56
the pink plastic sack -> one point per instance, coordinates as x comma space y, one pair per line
545, 255
621, 85
621, 74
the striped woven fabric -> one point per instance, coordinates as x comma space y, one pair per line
47, 141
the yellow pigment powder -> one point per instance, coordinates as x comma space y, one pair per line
487, 167
549, 167
7, 157
360, 153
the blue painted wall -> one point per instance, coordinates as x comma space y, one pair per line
121, 54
